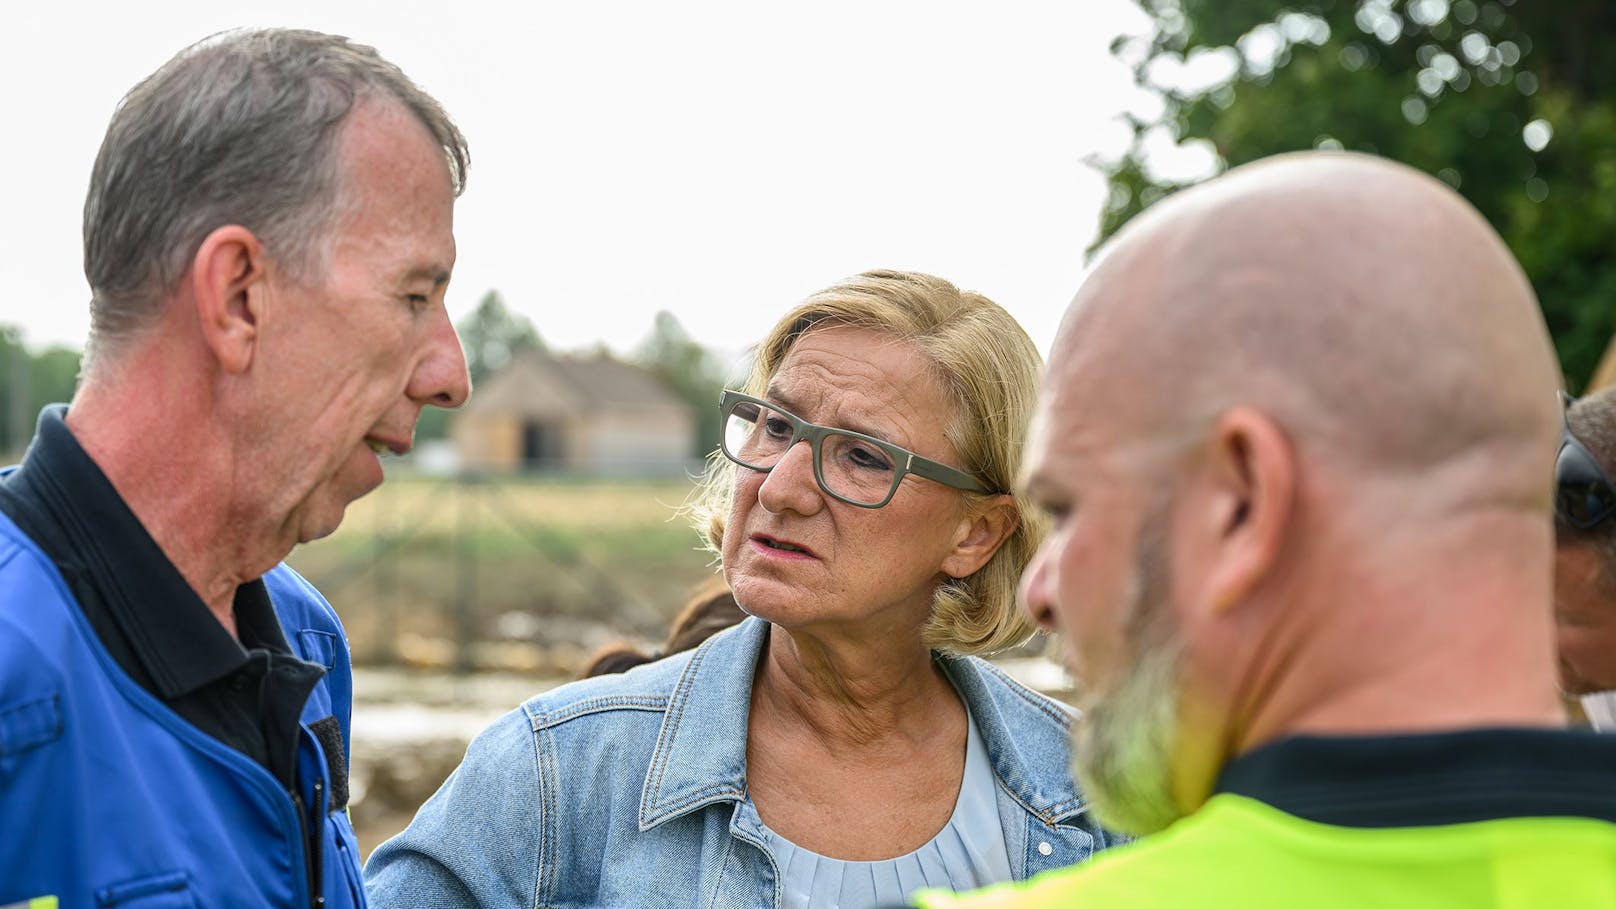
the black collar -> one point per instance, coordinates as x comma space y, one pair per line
82, 522
1431, 779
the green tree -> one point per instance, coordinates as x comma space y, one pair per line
490, 335
1508, 102
690, 370
29, 381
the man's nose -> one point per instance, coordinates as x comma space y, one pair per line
1035, 595
441, 379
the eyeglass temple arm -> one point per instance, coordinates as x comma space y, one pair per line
942, 473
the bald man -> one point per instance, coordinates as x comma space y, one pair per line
1585, 556
1295, 438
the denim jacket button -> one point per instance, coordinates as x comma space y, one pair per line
1045, 848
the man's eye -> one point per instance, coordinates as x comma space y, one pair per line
417, 302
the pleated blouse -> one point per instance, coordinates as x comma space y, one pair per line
968, 852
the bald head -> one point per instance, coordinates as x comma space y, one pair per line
1306, 415
1363, 304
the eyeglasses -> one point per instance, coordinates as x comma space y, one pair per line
849, 466
1583, 495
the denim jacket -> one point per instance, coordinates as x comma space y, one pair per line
629, 790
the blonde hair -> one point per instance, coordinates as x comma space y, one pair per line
989, 367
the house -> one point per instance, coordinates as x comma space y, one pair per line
576, 413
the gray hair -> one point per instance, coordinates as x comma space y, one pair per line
238, 128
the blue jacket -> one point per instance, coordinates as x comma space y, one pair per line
108, 798
630, 791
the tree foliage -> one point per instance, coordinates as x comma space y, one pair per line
28, 382
690, 370
1509, 102
490, 335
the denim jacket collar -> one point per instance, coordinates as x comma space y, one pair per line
1016, 728
700, 755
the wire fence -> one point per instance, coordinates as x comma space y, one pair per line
484, 565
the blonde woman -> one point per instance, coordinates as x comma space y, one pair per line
843, 746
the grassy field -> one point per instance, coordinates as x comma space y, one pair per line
517, 574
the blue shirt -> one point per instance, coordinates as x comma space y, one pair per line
966, 854
629, 791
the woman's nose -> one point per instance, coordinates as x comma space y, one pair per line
791, 486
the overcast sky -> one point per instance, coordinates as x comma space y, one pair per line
719, 160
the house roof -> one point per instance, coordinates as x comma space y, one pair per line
536, 384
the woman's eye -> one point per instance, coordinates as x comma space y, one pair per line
872, 458
777, 427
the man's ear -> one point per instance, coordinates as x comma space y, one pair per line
227, 282
1251, 468
980, 534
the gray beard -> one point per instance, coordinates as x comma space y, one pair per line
1123, 744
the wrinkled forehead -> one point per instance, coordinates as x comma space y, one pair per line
857, 378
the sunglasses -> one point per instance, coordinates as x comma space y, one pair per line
1583, 495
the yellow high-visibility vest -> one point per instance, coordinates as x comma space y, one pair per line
1241, 853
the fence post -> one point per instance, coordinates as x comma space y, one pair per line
384, 648
465, 570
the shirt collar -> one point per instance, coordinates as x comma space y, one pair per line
1431, 779
179, 642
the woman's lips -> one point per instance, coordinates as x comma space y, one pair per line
779, 548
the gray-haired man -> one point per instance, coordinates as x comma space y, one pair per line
267, 237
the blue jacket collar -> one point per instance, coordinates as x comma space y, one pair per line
700, 755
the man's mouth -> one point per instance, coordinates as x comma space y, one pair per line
387, 446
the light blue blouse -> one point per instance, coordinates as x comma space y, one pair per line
968, 852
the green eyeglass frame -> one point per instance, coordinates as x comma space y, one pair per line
903, 460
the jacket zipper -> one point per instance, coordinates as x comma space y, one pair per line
317, 844
311, 857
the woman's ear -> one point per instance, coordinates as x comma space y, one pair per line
981, 532
227, 286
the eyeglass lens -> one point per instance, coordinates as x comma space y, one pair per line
1583, 495
757, 436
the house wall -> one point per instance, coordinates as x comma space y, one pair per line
487, 441
653, 442
644, 440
